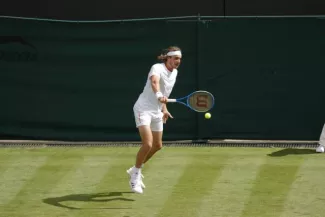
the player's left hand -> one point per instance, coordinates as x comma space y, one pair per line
166, 115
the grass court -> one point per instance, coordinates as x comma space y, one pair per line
181, 182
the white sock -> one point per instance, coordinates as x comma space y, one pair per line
142, 165
136, 170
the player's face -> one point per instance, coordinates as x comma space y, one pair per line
174, 61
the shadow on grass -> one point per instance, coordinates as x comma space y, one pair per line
99, 197
292, 151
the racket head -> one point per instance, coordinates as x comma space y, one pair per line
200, 101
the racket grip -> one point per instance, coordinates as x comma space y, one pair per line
171, 100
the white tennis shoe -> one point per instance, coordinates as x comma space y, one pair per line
129, 171
135, 182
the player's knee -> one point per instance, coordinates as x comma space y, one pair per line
158, 146
147, 145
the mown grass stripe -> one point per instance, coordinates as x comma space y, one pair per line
272, 186
15, 176
29, 201
112, 195
5, 162
306, 197
231, 190
161, 174
196, 181
75, 188
164, 173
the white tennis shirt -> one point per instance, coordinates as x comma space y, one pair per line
147, 100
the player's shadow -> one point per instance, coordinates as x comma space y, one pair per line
292, 151
99, 197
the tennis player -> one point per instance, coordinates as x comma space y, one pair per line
321, 146
150, 111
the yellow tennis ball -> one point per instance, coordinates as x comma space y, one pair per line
207, 115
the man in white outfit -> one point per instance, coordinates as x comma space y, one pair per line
150, 111
321, 146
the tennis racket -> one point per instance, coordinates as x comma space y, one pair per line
199, 101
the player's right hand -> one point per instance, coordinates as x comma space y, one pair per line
163, 99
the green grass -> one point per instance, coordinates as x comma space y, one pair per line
183, 181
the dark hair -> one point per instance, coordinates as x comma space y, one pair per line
163, 56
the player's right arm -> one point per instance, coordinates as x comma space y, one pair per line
154, 76
155, 83
156, 88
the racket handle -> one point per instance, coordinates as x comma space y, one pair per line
171, 100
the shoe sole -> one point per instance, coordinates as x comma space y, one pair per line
133, 190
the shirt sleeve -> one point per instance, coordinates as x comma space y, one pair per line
154, 71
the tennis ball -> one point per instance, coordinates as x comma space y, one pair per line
207, 115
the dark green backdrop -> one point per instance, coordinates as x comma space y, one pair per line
79, 81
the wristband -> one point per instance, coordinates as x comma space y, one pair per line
159, 95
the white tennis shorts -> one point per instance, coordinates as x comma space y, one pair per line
152, 119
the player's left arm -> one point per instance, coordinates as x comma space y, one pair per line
164, 108
166, 113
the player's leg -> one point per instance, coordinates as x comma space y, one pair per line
322, 137
157, 133
321, 147
146, 139
143, 121
156, 144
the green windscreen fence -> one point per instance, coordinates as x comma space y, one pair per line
267, 75
79, 81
